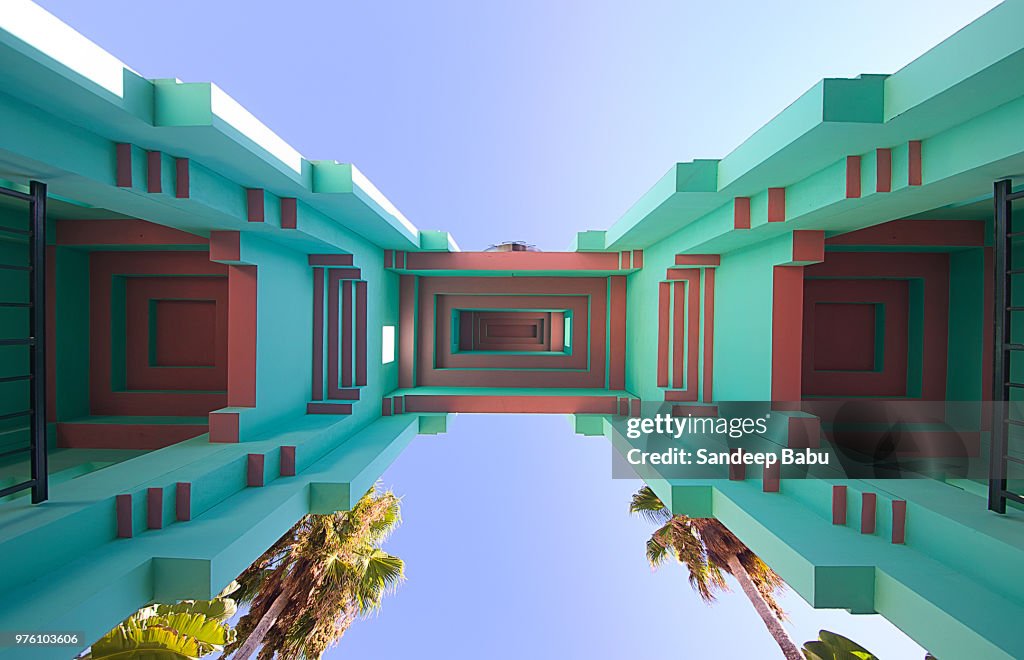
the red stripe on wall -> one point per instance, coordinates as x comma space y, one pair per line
330, 260
582, 405
899, 521
737, 470
255, 211
698, 259
914, 166
406, 330
389, 256
254, 470
917, 233
289, 213
86, 435
741, 213
787, 333
617, 335
346, 333
638, 258
360, 333
182, 179
625, 262
678, 333
709, 334
664, 321
123, 232
385, 407
183, 501
867, 513
154, 170
242, 325
838, 505
516, 261
771, 477
287, 461
557, 332
124, 165
123, 507
883, 170
328, 408
318, 334
332, 334
776, 205
155, 508
693, 335
852, 177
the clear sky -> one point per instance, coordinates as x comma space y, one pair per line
527, 120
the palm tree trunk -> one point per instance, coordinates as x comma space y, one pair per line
255, 638
782, 638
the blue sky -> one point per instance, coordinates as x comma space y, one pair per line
527, 120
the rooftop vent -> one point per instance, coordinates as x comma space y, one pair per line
513, 246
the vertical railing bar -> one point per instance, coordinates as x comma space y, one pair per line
1003, 217
37, 330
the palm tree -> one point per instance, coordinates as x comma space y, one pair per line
709, 551
182, 631
317, 579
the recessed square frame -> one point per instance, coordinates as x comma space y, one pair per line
585, 296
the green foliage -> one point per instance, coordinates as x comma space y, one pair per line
319, 578
704, 546
830, 646
181, 631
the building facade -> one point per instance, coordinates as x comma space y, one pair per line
207, 336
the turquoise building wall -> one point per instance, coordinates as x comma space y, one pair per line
181, 521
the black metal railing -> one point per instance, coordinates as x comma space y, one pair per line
36, 305
1005, 347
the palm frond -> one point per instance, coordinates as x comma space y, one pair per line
649, 506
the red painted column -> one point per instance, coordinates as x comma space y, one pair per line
346, 333
852, 177
407, 331
914, 165
123, 506
287, 467
154, 508
617, 336
709, 334
838, 505
899, 521
678, 336
332, 332
318, 334
242, 293
360, 333
664, 309
787, 333
883, 170
183, 501
867, 513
